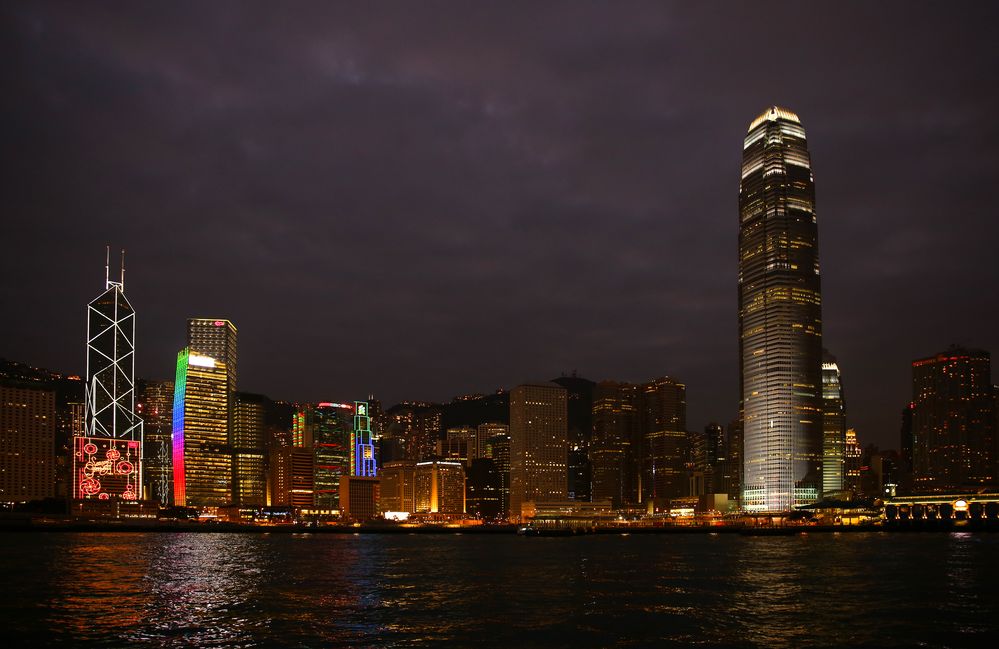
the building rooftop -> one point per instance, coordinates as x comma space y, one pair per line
773, 114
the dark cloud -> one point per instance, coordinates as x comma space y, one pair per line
424, 200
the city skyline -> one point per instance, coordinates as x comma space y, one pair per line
412, 276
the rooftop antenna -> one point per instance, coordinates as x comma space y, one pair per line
107, 264
122, 270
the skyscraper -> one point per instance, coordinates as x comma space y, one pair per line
663, 415
362, 448
616, 443
538, 445
202, 458
780, 317
27, 440
217, 339
249, 449
154, 404
833, 426
331, 428
107, 460
953, 420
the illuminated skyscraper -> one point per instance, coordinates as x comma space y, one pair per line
362, 447
331, 431
616, 444
780, 317
215, 338
202, 458
154, 404
538, 445
397, 486
440, 487
249, 455
498, 450
833, 426
952, 421
663, 415
107, 461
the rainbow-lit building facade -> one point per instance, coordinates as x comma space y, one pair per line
362, 446
202, 461
107, 458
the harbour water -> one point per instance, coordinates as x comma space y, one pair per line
307, 590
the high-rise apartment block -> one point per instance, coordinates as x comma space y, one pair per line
780, 317
538, 445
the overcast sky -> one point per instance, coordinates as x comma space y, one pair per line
420, 200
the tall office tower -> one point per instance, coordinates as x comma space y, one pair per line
483, 489
202, 461
833, 426
852, 459
27, 443
360, 498
905, 451
397, 486
732, 479
249, 449
664, 426
953, 421
486, 431
362, 446
440, 487
217, 339
426, 431
616, 443
291, 477
107, 460
154, 404
460, 444
538, 445
498, 450
331, 425
579, 422
780, 317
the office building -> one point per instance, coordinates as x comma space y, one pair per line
202, 460
27, 443
359, 498
107, 460
440, 487
953, 421
498, 450
362, 448
330, 426
291, 476
579, 436
538, 445
780, 317
483, 490
616, 443
249, 450
833, 426
215, 338
154, 405
663, 416
398, 486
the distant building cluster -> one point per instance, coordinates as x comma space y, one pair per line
108, 443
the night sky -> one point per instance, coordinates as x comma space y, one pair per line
430, 199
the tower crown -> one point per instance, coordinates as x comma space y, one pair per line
772, 114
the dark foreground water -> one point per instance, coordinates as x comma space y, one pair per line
492, 591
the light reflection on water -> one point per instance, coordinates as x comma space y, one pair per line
413, 590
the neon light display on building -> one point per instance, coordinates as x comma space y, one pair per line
180, 389
106, 468
107, 457
362, 447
